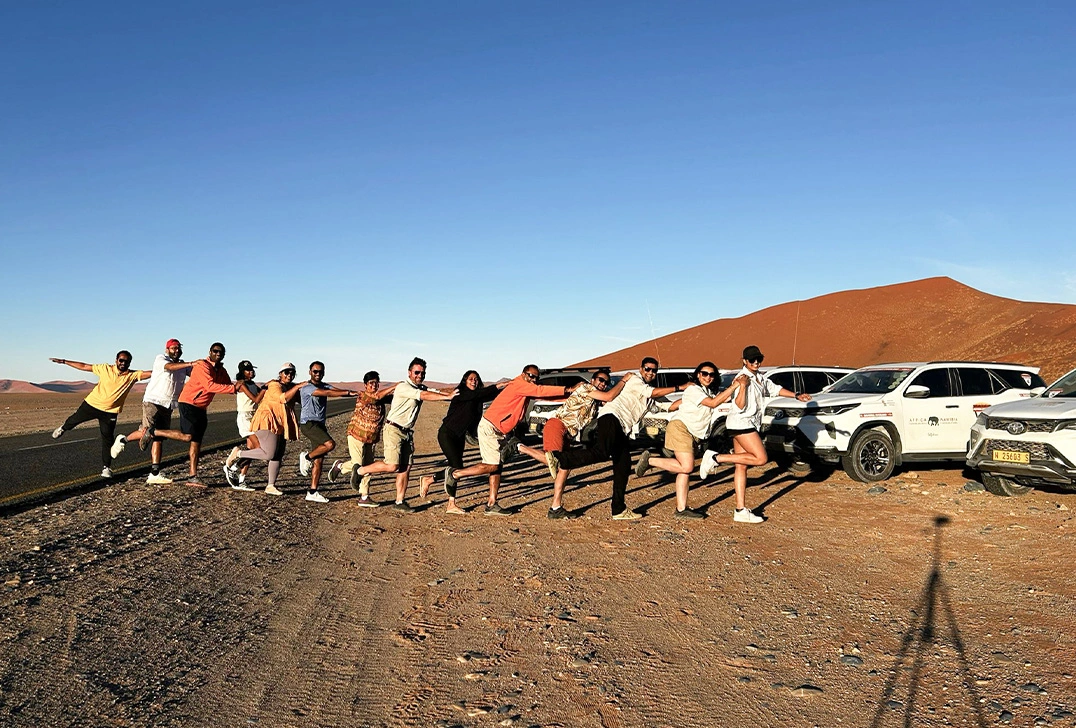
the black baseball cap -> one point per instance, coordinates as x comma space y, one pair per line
751, 353
245, 364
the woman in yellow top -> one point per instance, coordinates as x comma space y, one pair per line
273, 425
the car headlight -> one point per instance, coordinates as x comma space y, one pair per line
981, 419
838, 409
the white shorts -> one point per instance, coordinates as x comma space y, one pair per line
242, 421
490, 440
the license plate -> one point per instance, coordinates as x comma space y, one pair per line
1011, 456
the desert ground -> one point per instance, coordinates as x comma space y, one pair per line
138, 605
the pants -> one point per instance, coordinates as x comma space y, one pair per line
105, 420
270, 447
452, 445
610, 443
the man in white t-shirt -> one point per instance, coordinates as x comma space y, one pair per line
165, 383
398, 436
615, 420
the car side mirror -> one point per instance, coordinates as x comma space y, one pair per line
1037, 391
917, 391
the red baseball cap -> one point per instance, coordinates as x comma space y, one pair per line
171, 343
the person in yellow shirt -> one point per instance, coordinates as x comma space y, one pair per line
114, 382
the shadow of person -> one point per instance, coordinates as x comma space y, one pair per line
922, 633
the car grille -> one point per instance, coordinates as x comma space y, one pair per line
1000, 423
654, 422
1037, 450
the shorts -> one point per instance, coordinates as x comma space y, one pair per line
156, 416
734, 433
399, 446
490, 440
678, 438
242, 421
193, 421
315, 432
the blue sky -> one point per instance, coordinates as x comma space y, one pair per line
487, 184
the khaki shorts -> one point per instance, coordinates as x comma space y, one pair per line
159, 417
490, 440
399, 446
678, 439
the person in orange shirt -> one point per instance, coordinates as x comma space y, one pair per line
208, 378
499, 420
104, 402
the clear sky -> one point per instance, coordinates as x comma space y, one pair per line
487, 184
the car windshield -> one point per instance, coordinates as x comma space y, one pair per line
870, 381
1063, 387
726, 379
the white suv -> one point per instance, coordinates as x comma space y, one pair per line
880, 416
1018, 445
794, 377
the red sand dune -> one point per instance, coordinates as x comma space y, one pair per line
929, 319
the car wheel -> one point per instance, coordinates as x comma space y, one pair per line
870, 458
1000, 485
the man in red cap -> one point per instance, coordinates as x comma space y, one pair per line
160, 398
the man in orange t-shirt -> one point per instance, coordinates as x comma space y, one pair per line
114, 382
499, 420
208, 378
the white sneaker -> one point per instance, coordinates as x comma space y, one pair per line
304, 464
106, 472
158, 479
315, 497
744, 515
273, 490
231, 476
242, 486
708, 463
232, 457
334, 471
118, 445
58, 433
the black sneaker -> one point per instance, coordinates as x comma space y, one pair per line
355, 478
403, 507
496, 510
510, 449
450, 483
557, 513
643, 465
688, 513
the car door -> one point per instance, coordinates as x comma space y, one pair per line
933, 424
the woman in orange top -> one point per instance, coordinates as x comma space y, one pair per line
273, 425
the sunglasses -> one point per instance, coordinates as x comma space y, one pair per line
317, 371
418, 373
706, 374
601, 380
288, 371
650, 370
755, 361
532, 377
216, 351
123, 361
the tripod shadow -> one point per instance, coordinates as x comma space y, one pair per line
921, 634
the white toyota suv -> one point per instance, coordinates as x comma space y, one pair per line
1018, 445
878, 417
793, 377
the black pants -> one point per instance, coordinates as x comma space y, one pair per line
105, 420
609, 443
452, 445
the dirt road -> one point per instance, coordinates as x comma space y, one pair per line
140, 606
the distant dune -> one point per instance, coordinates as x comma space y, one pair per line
933, 318
15, 386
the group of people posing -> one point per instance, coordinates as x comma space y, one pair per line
592, 425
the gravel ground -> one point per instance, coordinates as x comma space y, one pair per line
142, 605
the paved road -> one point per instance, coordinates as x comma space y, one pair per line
36, 467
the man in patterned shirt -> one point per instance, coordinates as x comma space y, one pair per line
567, 421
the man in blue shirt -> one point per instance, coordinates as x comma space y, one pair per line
313, 397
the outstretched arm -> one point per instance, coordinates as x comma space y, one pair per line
175, 366
610, 394
80, 365
382, 393
332, 393
432, 395
789, 393
725, 395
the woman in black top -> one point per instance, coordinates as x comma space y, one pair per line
464, 414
